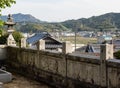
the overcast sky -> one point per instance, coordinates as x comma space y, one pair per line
60, 10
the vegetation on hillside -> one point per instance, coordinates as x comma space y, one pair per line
106, 22
38, 27
22, 18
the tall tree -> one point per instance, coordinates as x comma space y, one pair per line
4, 4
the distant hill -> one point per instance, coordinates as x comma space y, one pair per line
38, 27
106, 21
22, 18
28, 23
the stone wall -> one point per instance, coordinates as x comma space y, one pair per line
113, 73
2, 55
84, 70
2, 52
63, 71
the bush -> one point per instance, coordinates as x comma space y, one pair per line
117, 54
17, 36
3, 39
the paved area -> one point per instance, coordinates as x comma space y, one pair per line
21, 82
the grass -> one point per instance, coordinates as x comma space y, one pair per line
79, 40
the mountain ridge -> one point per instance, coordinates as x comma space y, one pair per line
108, 21
19, 17
105, 21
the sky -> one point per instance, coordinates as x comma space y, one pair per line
61, 10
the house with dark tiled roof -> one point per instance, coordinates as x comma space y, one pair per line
50, 42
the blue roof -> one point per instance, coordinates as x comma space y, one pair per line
37, 37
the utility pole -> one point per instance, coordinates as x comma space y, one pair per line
76, 29
75, 39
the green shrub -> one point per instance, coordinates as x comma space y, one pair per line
3, 39
117, 54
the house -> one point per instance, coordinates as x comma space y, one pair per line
68, 34
50, 42
104, 38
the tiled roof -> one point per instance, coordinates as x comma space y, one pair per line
37, 37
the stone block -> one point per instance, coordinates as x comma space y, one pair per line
106, 51
67, 47
1, 85
41, 45
5, 76
23, 42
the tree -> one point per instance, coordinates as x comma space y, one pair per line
3, 5
6, 3
1, 32
3, 38
17, 36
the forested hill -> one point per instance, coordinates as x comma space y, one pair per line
22, 18
28, 23
106, 21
